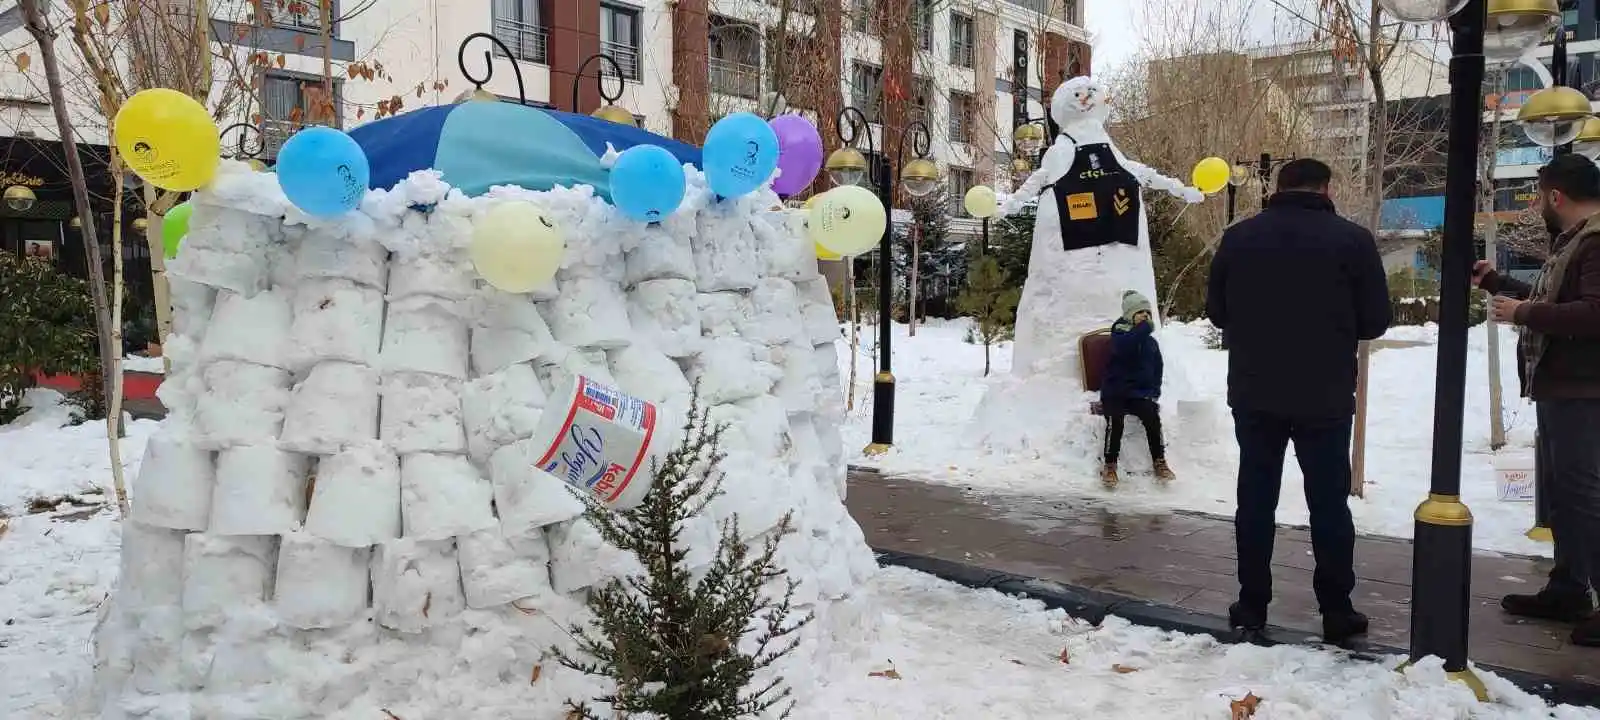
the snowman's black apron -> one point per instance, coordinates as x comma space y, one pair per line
1097, 200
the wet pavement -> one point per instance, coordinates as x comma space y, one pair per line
1187, 561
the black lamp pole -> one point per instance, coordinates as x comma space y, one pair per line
1441, 572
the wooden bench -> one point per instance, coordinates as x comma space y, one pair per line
1094, 352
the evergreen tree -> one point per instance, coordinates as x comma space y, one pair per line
942, 262
48, 327
670, 643
1012, 239
992, 304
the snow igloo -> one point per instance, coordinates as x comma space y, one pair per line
339, 519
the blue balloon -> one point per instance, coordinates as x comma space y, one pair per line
740, 154
647, 183
323, 171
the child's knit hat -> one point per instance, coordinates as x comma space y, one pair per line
1133, 303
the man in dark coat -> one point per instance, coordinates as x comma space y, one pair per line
1559, 318
1296, 289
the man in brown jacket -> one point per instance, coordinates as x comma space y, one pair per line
1559, 319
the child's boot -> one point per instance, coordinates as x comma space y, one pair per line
1164, 471
1108, 475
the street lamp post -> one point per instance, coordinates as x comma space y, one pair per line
1441, 573
1262, 168
847, 166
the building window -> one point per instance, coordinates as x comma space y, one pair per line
922, 24
1071, 12
619, 37
861, 20
963, 40
735, 49
961, 180
516, 23
960, 117
297, 14
921, 99
866, 88
289, 102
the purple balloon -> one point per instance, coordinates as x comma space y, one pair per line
799, 153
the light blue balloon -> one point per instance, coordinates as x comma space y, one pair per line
740, 154
647, 183
323, 171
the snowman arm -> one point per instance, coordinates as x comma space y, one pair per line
1149, 176
1057, 161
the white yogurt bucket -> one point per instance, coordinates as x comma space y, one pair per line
597, 439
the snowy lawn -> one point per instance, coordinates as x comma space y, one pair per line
887, 653
940, 386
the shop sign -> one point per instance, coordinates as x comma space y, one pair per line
9, 178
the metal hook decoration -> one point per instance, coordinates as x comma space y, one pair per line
244, 132
599, 79
855, 122
488, 64
921, 141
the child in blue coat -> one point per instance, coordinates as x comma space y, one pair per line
1132, 385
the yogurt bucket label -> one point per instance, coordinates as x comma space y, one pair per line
601, 441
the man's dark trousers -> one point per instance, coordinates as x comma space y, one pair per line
1322, 446
1570, 453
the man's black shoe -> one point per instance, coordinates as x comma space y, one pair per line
1587, 633
1338, 628
1547, 605
1248, 627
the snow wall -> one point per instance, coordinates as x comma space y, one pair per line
338, 518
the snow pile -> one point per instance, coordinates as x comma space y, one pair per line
341, 516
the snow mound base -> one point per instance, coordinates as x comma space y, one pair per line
346, 521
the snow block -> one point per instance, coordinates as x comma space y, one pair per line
192, 304
320, 584
589, 313
774, 314
423, 335
731, 369
567, 362
442, 496
249, 329
322, 255
501, 408
223, 575
335, 320
666, 313
580, 558
422, 413
526, 497
650, 375
817, 312
494, 573
174, 482
782, 242
428, 275
334, 407
659, 254
800, 385
356, 501
152, 567
725, 250
509, 330
722, 314
243, 404
416, 585
261, 490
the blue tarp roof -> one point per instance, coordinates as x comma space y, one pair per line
477, 145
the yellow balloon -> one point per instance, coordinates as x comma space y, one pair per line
516, 247
847, 220
826, 254
1211, 175
168, 138
981, 202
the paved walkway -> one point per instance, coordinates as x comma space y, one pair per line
1187, 561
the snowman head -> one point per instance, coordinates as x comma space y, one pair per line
1080, 99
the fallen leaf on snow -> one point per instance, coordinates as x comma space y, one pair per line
5, 523
1245, 707
537, 671
427, 602
1121, 669
890, 674
1065, 657
391, 715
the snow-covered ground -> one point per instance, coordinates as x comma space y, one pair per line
940, 386
141, 363
889, 656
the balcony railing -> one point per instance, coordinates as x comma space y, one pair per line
526, 40
866, 101
296, 14
961, 53
734, 78
274, 133
626, 57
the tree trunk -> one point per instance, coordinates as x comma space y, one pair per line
916, 263
37, 26
1487, 161
1377, 160
155, 216
854, 309
1358, 458
114, 428
986, 346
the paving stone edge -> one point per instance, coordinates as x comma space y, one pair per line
1095, 605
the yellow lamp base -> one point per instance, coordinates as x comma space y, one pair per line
1540, 533
875, 450
1465, 677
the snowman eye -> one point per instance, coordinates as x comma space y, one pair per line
844, 214
546, 223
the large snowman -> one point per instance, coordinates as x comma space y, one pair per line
1077, 275
1078, 270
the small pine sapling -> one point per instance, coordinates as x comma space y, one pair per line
991, 303
670, 643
